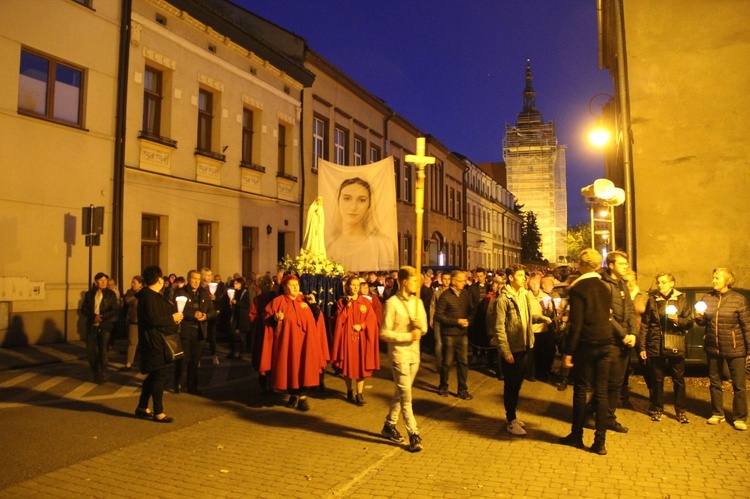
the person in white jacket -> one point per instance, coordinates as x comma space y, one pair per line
404, 323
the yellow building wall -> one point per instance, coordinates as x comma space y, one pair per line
50, 171
688, 80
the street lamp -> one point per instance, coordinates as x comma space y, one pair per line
602, 196
599, 135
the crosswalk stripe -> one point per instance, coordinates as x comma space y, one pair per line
41, 387
80, 390
17, 380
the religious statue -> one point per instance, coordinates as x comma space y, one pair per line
314, 240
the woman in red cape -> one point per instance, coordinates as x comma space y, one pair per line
295, 347
355, 340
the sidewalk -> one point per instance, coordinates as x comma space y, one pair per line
335, 450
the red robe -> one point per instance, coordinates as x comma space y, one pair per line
356, 354
295, 350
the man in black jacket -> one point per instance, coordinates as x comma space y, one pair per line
454, 312
100, 307
590, 349
199, 310
624, 326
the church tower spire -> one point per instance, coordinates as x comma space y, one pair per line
529, 96
529, 116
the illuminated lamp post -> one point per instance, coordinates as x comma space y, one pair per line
602, 196
420, 161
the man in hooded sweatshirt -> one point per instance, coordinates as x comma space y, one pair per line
514, 338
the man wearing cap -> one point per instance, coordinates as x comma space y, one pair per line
100, 308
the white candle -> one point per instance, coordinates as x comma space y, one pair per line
212, 287
546, 301
230, 293
700, 307
671, 310
181, 301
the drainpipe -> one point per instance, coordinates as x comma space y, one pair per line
623, 97
302, 166
118, 187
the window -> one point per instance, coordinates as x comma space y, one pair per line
50, 89
247, 250
397, 174
340, 143
205, 119
408, 194
282, 149
152, 96
204, 244
407, 247
459, 206
374, 154
320, 139
86, 3
247, 137
359, 152
150, 243
452, 201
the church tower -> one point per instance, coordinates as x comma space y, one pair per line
536, 172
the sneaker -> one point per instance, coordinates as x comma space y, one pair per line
598, 448
740, 425
515, 429
390, 432
715, 420
617, 428
656, 416
573, 441
682, 418
442, 391
464, 395
216, 360
415, 442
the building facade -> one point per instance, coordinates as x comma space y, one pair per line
680, 119
536, 172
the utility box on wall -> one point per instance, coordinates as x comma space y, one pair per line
20, 288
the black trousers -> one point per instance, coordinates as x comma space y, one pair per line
153, 387
616, 380
97, 342
592, 365
675, 367
513, 375
193, 347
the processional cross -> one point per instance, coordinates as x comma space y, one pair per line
420, 161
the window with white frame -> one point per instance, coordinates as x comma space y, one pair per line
359, 152
320, 139
374, 153
340, 142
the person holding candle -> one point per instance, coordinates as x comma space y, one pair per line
156, 317
199, 310
666, 321
725, 315
355, 351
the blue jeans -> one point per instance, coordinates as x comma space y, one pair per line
737, 373
458, 347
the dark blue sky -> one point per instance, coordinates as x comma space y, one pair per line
456, 69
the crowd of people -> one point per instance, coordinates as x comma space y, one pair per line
513, 324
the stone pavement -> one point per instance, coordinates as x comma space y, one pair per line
335, 450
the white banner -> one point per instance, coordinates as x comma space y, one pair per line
360, 207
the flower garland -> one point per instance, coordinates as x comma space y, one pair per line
308, 263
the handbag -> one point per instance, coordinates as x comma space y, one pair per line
674, 345
172, 347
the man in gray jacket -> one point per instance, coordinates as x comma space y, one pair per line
514, 338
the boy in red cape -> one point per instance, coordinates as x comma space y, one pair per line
295, 347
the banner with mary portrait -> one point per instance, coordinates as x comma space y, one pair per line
361, 229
